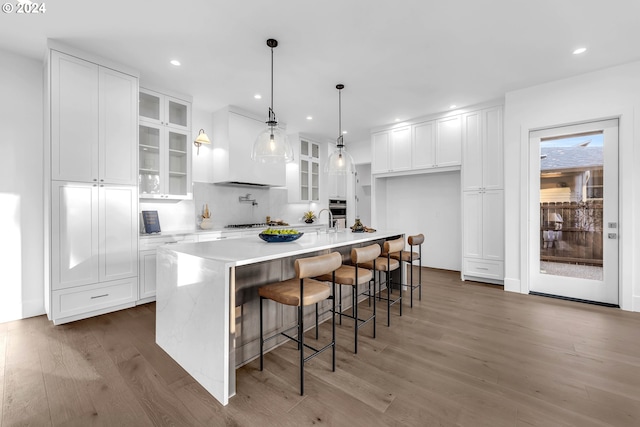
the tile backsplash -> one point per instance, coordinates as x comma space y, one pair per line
226, 208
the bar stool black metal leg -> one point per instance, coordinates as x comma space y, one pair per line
411, 275
333, 325
401, 284
388, 273
355, 315
317, 321
420, 276
261, 337
301, 347
340, 304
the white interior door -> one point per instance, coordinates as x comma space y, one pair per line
573, 212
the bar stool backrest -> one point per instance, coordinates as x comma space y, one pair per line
415, 240
367, 253
395, 245
317, 265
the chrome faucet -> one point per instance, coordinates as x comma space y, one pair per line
248, 199
330, 223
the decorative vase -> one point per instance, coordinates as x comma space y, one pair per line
206, 224
357, 227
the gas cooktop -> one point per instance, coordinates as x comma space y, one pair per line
256, 225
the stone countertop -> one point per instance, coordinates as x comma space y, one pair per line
252, 249
229, 230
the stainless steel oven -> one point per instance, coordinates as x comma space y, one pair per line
338, 208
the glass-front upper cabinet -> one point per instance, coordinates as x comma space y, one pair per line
178, 154
164, 149
309, 171
164, 110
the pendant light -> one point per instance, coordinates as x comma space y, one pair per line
272, 145
340, 162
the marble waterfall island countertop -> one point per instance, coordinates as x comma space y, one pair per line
201, 285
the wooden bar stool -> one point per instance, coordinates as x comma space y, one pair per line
409, 257
302, 291
354, 275
386, 264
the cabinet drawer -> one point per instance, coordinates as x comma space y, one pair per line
482, 268
85, 299
152, 242
207, 237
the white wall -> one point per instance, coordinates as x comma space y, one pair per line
613, 92
429, 204
21, 187
360, 151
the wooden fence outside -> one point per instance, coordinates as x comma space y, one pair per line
577, 238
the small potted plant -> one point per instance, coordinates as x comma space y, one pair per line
309, 216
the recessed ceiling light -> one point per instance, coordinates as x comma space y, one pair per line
175, 62
309, 118
579, 50
452, 106
257, 96
396, 120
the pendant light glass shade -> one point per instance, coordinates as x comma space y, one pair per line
340, 162
272, 145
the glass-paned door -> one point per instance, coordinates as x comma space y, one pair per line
149, 160
178, 184
573, 214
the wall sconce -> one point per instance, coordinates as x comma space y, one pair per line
201, 139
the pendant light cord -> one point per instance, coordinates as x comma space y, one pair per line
340, 138
272, 81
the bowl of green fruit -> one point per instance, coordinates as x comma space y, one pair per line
277, 235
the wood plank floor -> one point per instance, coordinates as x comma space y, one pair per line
466, 355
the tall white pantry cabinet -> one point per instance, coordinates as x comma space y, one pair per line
483, 195
91, 197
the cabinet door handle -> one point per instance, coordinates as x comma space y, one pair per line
482, 268
99, 296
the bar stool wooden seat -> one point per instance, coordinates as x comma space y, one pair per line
354, 275
300, 292
386, 264
409, 257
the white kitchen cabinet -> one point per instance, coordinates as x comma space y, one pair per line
391, 150
95, 231
483, 141
93, 130
91, 220
437, 143
483, 233
164, 138
449, 141
99, 298
234, 132
147, 263
424, 145
483, 195
165, 167
303, 176
164, 110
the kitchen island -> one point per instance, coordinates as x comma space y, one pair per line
207, 301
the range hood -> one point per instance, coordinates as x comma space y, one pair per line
243, 184
234, 132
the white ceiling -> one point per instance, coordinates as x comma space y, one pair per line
397, 59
